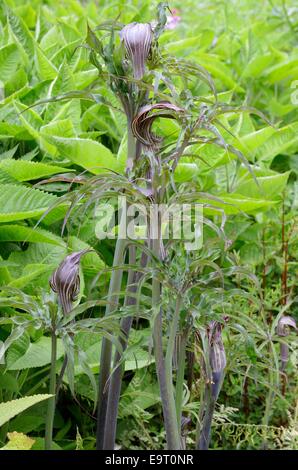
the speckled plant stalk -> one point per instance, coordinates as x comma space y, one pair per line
52, 391
164, 364
116, 379
215, 363
180, 378
106, 348
210, 398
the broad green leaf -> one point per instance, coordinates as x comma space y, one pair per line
9, 382
186, 172
88, 154
17, 349
20, 233
23, 170
59, 128
45, 69
218, 69
31, 272
8, 131
285, 70
278, 143
63, 83
257, 65
142, 392
234, 203
30, 119
21, 34
250, 143
9, 61
19, 202
184, 45
6, 178
270, 187
5, 276
10, 409
9, 153
40, 444
18, 441
37, 355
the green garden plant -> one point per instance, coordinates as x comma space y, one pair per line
124, 116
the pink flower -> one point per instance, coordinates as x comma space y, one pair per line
174, 20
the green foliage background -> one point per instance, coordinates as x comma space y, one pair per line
250, 49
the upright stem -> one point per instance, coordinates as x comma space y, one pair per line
52, 390
115, 385
170, 352
205, 433
210, 397
106, 347
180, 379
162, 368
114, 288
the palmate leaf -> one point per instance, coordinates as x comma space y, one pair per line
23, 170
12, 408
20, 202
